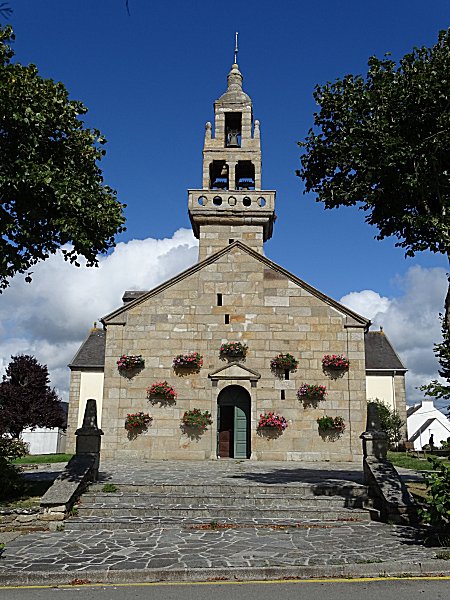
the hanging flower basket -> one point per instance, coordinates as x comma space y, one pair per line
197, 419
311, 393
335, 361
233, 350
283, 362
127, 362
327, 423
192, 360
161, 391
272, 421
136, 421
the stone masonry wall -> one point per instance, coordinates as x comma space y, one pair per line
215, 237
400, 400
267, 311
74, 406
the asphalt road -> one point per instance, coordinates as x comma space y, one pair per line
403, 589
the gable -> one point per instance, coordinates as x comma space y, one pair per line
239, 270
234, 370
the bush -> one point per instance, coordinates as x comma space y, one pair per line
437, 509
390, 421
12, 484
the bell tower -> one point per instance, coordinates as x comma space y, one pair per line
231, 205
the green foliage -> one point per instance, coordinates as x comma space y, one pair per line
233, 349
390, 421
38, 459
109, 488
437, 389
51, 187
10, 449
437, 509
284, 361
196, 418
327, 423
381, 142
405, 460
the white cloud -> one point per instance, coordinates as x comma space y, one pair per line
50, 317
410, 320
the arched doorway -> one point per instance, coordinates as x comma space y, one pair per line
233, 423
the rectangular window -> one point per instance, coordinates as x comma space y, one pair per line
227, 319
219, 299
286, 373
283, 395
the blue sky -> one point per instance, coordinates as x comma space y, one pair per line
149, 81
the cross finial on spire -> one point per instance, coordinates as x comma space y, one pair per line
236, 49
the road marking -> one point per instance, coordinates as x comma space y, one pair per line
222, 582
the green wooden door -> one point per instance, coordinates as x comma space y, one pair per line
240, 433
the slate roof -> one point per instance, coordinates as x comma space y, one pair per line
412, 409
92, 351
380, 355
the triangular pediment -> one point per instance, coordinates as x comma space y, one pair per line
273, 271
234, 370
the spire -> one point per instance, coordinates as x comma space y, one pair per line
234, 79
234, 93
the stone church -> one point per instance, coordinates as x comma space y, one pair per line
234, 294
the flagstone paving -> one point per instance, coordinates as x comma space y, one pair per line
182, 544
183, 547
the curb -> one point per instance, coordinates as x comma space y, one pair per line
436, 568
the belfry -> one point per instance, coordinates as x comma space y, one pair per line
235, 357
232, 204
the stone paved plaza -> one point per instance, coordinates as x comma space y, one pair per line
167, 547
228, 472
162, 547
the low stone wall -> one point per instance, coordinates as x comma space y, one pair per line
67, 488
28, 519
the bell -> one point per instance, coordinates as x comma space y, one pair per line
233, 138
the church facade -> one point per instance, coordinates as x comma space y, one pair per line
240, 318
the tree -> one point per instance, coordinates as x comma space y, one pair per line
26, 399
437, 389
390, 421
51, 187
382, 143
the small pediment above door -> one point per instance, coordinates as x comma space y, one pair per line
234, 370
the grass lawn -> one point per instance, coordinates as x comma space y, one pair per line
402, 459
32, 459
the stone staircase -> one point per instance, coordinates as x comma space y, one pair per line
140, 506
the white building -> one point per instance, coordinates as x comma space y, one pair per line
385, 373
44, 440
424, 420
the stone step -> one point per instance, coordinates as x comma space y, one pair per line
213, 518
256, 501
328, 488
207, 511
